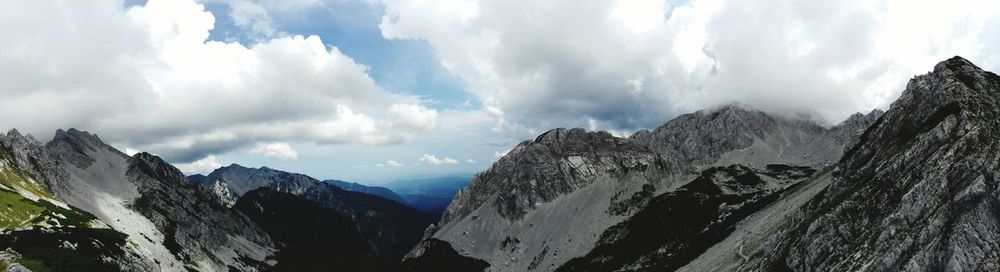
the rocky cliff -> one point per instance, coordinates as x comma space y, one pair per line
917, 193
111, 211
551, 198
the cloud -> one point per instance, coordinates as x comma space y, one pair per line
393, 163
149, 78
202, 166
630, 64
252, 16
389, 163
277, 150
470, 161
414, 116
430, 159
130, 151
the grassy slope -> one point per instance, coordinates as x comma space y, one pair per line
28, 214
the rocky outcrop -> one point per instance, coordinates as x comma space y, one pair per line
918, 192
558, 162
221, 191
164, 221
196, 226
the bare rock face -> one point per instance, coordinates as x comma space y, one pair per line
194, 223
918, 192
558, 162
677, 226
38, 227
170, 223
550, 199
221, 191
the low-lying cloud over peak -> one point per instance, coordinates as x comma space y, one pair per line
631, 64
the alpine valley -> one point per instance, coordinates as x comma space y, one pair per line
731, 188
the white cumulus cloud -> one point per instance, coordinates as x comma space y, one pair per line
393, 163
277, 150
433, 160
630, 64
149, 78
202, 166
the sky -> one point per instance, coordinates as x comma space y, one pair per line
377, 90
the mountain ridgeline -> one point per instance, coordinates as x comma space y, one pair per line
726, 189
78, 204
554, 198
735, 189
103, 210
371, 190
917, 192
391, 228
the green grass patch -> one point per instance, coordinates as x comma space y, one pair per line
18, 179
72, 216
17, 211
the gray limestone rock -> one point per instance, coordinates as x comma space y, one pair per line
918, 192
549, 199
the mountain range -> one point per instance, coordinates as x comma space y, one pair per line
730, 188
735, 189
390, 227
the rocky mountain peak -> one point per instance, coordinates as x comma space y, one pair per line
957, 96
77, 136
550, 198
76, 146
557, 162
577, 140
156, 167
956, 65
15, 137
917, 192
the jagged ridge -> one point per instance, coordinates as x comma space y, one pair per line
918, 192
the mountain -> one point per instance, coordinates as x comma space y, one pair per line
103, 210
918, 191
556, 197
732, 189
308, 236
371, 190
430, 195
36, 225
689, 220
389, 227
725, 189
